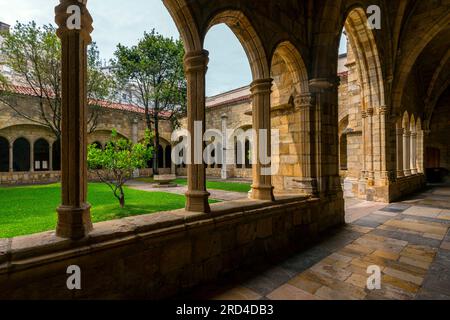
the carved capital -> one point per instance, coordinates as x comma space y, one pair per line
383, 110
261, 86
363, 114
307, 100
370, 112
322, 84
72, 16
196, 61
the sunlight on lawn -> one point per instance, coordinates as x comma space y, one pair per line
32, 209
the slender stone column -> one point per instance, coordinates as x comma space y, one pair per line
224, 172
400, 170
413, 153
420, 151
383, 115
407, 152
74, 219
31, 156
262, 188
370, 155
11, 157
196, 65
305, 104
50, 157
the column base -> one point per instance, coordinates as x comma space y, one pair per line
400, 174
197, 201
262, 192
74, 223
414, 171
407, 173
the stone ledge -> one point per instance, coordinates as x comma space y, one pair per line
24, 252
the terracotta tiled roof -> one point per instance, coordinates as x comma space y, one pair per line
27, 91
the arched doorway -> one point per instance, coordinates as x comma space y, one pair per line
56, 155
168, 162
41, 155
21, 155
4, 155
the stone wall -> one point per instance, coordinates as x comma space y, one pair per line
160, 255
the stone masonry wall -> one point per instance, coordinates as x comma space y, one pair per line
161, 255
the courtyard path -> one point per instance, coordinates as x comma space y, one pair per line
215, 194
409, 241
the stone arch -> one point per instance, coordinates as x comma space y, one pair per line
289, 61
4, 154
364, 46
405, 121
41, 155
184, 20
249, 39
21, 155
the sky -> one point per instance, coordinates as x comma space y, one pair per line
117, 21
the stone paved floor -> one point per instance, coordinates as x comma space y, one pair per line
215, 194
408, 240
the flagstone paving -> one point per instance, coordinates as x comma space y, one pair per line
408, 240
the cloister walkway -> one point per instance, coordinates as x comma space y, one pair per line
409, 241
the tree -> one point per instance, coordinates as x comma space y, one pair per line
34, 56
154, 70
116, 163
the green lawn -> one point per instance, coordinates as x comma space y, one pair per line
31, 209
217, 185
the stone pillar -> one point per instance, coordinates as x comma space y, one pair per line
50, 157
262, 188
224, 171
134, 131
305, 104
413, 153
369, 136
406, 152
196, 64
400, 170
420, 151
11, 157
383, 145
74, 219
31, 156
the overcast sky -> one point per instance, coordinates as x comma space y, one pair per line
119, 21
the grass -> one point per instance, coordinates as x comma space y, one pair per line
32, 209
216, 185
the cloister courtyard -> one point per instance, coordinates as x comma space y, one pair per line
317, 168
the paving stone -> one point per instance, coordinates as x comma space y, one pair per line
400, 284
365, 222
403, 276
445, 245
411, 238
415, 262
238, 293
418, 226
289, 292
305, 284
358, 280
268, 281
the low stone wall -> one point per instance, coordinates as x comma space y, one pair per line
406, 185
42, 177
17, 178
160, 255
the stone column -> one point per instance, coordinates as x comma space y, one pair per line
31, 156
11, 157
50, 157
305, 104
406, 152
196, 65
224, 171
262, 188
369, 154
400, 170
413, 153
383, 145
74, 219
420, 151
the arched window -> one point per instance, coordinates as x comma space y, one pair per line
98, 145
41, 155
4, 155
56, 155
21, 155
168, 163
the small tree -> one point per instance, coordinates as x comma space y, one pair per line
116, 163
